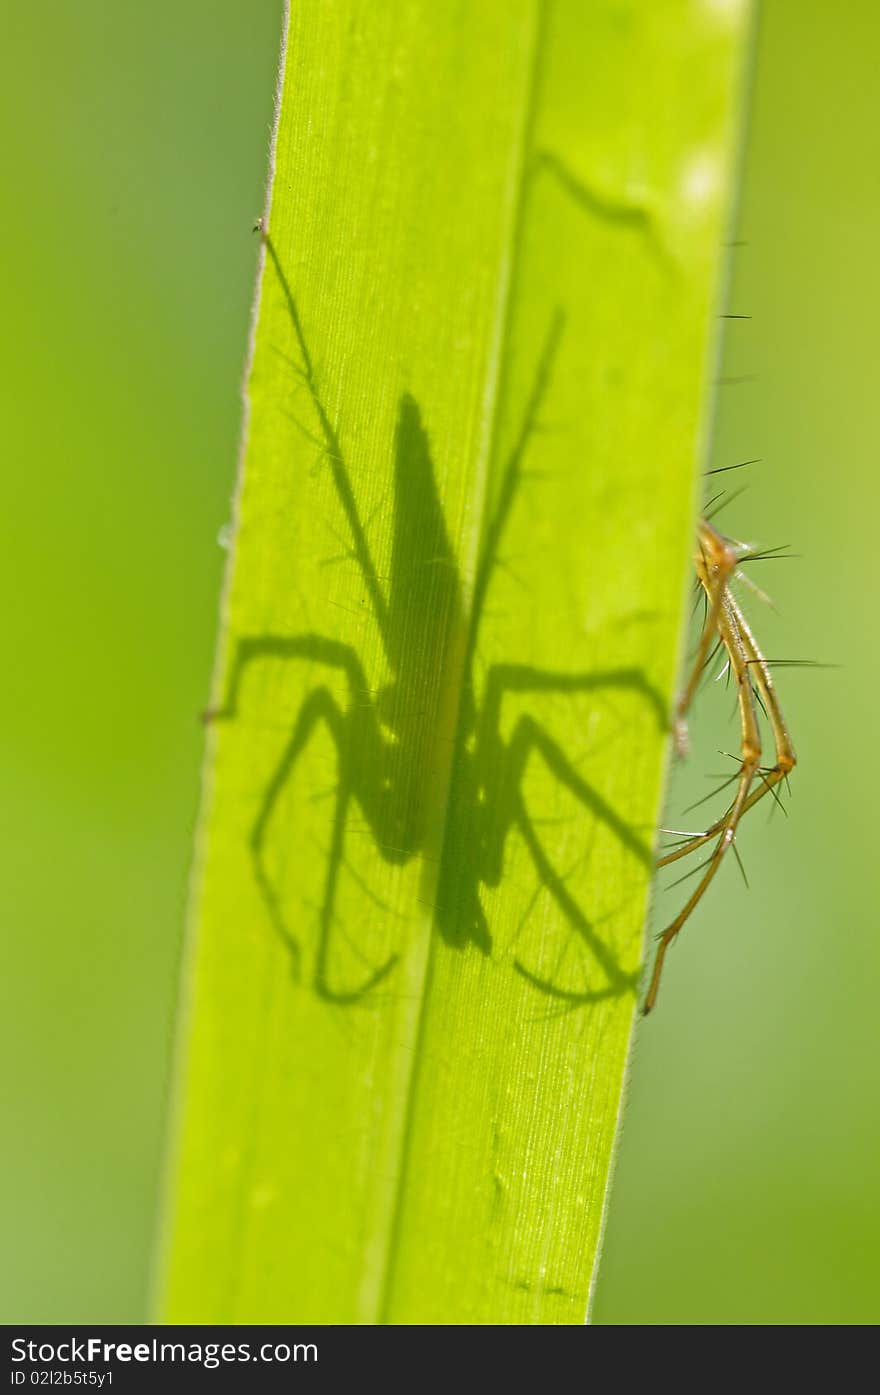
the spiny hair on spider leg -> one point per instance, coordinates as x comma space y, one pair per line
712, 653
744, 580
725, 500
771, 789
691, 873
712, 793
684, 835
709, 502
761, 770
699, 595
792, 663
780, 553
681, 843
740, 465
739, 862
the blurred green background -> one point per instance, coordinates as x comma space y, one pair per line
748, 1187
134, 166
747, 1182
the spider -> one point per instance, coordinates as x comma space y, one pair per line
717, 560
387, 743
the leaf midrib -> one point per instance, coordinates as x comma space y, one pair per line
493, 398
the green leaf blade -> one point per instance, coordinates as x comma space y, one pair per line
451, 634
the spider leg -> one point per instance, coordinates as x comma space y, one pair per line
715, 565
759, 669
737, 646
786, 758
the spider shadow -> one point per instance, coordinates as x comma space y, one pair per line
389, 755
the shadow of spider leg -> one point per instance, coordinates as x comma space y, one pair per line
354, 727
555, 884
503, 766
